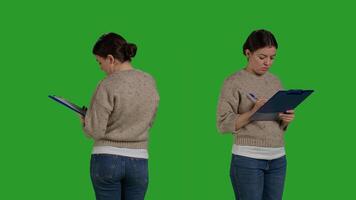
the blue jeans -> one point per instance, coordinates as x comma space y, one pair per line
118, 177
255, 179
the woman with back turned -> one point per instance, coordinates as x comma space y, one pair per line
258, 165
120, 115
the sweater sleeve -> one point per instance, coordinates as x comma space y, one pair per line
227, 112
157, 98
97, 115
155, 112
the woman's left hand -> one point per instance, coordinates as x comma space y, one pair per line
81, 117
82, 120
287, 117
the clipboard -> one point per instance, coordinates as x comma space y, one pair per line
69, 105
282, 101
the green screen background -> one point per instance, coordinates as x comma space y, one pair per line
190, 47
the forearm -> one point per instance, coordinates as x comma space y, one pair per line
243, 119
97, 115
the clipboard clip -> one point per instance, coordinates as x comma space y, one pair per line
295, 92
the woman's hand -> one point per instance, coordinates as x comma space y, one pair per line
287, 116
82, 120
81, 117
245, 117
258, 104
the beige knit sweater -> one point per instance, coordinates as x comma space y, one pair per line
122, 110
234, 101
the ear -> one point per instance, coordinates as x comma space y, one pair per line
248, 53
111, 59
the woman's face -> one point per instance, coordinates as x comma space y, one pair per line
261, 60
105, 63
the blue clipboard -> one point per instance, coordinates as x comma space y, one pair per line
280, 102
69, 105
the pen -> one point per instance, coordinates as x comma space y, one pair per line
252, 97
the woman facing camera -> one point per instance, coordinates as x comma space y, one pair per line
118, 119
258, 165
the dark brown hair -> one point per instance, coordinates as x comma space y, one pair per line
259, 39
115, 45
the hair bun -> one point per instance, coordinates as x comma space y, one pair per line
130, 50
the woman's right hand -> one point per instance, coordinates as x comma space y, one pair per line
258, 104
245, 117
